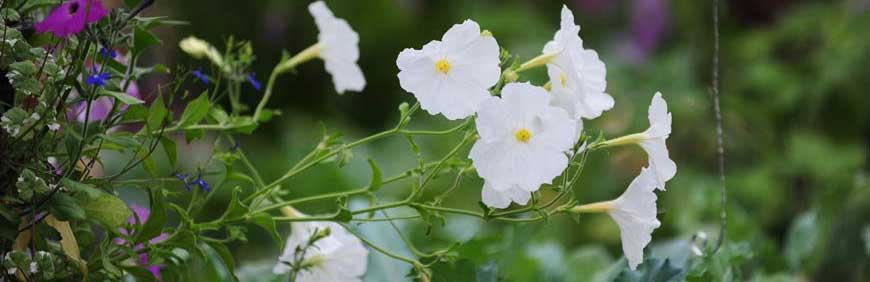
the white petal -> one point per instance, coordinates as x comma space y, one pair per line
659, 117
660, 162
460, 36
502, 199
635, 213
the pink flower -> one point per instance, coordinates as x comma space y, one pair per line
71, 17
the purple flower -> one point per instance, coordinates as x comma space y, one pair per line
183, 177
201, 182
252, 79
100, 107
198, 74
98, 78
71, 17
198, 181
108, 53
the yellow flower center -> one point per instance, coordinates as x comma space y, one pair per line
562, 79
442, 66
523, 135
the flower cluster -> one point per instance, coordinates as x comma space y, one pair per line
528, 133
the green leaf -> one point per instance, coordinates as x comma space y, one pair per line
82, 189
106, 209
65, 208
235, 210
121, 96
136, 113
171, 150
377, 178
652, 270
265, 221
187, 240
196, 110
143, 39
25, 67
447, 271
156, 220
127, 142
156, 114
193, 134
227, 258
141, 274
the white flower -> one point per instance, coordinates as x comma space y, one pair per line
35, 116
53, 126
523, 141
34, 267
452, 76
338, 46
635, 213
654, 141
199, 48
338, 257
577, 75
502, 199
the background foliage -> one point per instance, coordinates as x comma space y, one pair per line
796, 123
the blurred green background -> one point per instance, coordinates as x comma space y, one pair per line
796, 121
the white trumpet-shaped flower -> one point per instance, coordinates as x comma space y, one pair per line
523, 142
338, 46
452, 76
635, 214
577, 75
338, 257
654, 141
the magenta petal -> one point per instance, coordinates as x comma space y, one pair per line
71, 17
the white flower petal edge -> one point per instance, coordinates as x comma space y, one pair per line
340, 49
339, 257
635, 213
654, 141
577, 75
502, 199
452, 76
523, 141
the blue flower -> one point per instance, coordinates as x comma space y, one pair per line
202, 184
198, 74
98, 78
183, 178
252, 79
108, 53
